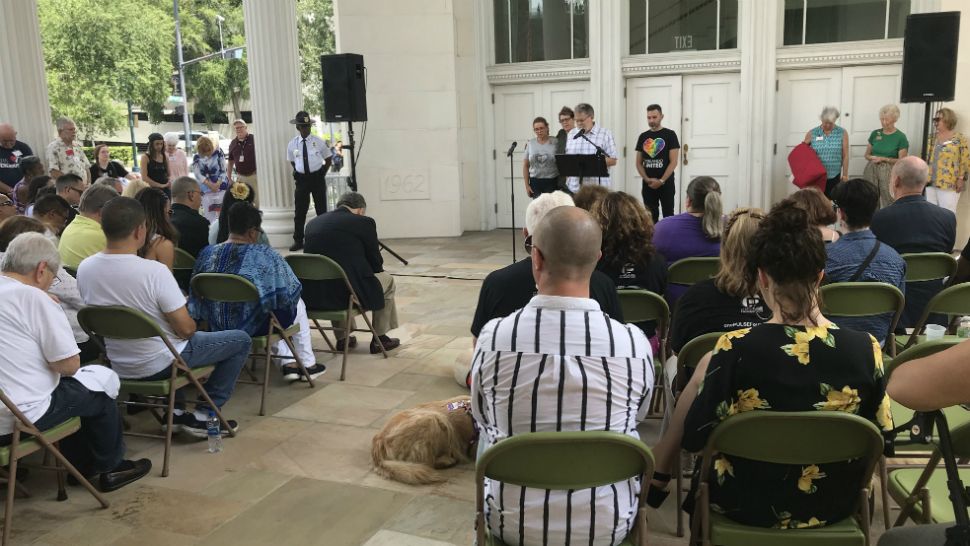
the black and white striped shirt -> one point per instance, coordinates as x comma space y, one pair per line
559, 364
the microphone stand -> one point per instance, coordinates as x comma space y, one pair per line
512, 192
391, 252
599, 151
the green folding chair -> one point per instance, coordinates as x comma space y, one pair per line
864, 299
72, 271
951, 301
316, 267
228, 288
643, 306
811, 437
118, 322
688, 271
564, 461
36, 440
928, 266
183, 261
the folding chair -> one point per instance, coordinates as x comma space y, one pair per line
565, 461
117, 322
928, 266
35, 440
183, 261
643, 306
316, 267
815, 437
228, 289
864, 299
688, 271
72, 271
951, 301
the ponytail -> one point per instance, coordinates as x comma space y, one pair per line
705, 196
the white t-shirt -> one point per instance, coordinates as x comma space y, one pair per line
36, 333
145, 285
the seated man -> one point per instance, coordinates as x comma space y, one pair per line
349, 238
913, 224
53, 211
37, 364
279, 289
193, 228
577, 369
70, 186
118, 276
858, 257
83, 237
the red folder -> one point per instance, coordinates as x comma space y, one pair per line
806, 167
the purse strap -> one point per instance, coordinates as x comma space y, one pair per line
858, 273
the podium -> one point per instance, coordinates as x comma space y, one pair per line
582, 165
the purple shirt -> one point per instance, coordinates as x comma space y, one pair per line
681, 236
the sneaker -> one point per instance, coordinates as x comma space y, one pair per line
197, 429
291, 373
296, 246
314, 371
179, 421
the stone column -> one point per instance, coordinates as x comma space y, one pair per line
23, 83
757, 42
606, 77
276, 96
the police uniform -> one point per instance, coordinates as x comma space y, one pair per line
311, 158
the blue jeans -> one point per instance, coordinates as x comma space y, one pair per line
227, 350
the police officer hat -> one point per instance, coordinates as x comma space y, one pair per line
302, 118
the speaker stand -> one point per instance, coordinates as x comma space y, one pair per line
926, 131
353, 155
512, 194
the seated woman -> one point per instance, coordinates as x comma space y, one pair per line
162, 235
629, 257
587, 196
821, 213
279, 289
219, 230
797, 361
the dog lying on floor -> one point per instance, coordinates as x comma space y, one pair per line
417, 441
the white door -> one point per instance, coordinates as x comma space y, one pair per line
640, 93
515, 108
866, 89
709, 137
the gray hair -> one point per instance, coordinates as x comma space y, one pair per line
171, 138
540, 206
829, 114
27, 251
183, 185
585, 108
352, 200
62, 123
239, 121
912, 172
889, 111
96, 196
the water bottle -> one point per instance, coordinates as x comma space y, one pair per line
963, 331
214, 433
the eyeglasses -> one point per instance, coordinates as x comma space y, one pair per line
6, 203
936, 120
528, 244
78, 190
564, 119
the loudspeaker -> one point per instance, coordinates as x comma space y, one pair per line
930, 57
344, 95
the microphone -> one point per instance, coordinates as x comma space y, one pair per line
579, 134
511, 149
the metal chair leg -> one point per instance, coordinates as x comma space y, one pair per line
884, 490
11, 488
168, 431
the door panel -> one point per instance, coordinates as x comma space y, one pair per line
709, 142
642, 92
865, 89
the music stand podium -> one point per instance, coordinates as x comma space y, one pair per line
582, 166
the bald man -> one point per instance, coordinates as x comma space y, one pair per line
913, 224
560, 364
11, 152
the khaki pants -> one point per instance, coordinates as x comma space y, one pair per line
247, 178
384, 319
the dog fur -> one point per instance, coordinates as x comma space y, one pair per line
416, 442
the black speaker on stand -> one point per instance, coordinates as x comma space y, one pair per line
345, 97
930, 61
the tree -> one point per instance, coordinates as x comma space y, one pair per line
316, 36
100, 56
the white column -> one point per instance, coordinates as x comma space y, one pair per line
606, 78
23, 83
276, 96
757, 34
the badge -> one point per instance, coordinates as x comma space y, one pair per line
242, 158
819, 138
879, 136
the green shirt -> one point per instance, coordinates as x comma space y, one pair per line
81, 238
884, 145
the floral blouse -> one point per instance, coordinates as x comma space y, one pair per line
949, 161
211, 168
775, 367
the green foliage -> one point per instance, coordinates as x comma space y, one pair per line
99, 57
315, 29
119, 153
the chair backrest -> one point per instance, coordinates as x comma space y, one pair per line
643, 305
928, 266
688, 271
920, 350
117, 322
224, 288
315, 267
71, 271
951, 301
183, 260
862, 299
692, 352
565, 460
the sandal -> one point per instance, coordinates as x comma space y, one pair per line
655, 494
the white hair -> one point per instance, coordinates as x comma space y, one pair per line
829, 114
62, 123
540, 206
27, 251
890, 111
171, 138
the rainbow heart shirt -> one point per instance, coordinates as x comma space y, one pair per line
653, 146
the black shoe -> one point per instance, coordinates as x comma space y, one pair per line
291, 373
296, 246
179, 421
197, 429
389, 343
340, 343
656, 494
124, 473
314, 372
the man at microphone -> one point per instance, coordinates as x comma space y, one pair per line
589, 138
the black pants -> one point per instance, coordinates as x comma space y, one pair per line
306, 184
98, 446
664, 195
543, 185
830, 185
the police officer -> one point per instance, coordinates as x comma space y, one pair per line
311, 158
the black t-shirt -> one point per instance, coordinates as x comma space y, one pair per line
10, 162
704, 309
509, 289
651, 276
655, 147
115, 170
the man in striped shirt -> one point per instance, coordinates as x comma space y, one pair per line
560, 364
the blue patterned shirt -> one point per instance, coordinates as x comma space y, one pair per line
844, 258
829, 149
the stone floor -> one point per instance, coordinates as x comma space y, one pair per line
301, 474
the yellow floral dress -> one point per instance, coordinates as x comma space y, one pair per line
774, 367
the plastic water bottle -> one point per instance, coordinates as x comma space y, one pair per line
963, 331
212, 426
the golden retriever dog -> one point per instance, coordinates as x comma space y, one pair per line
417, 441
